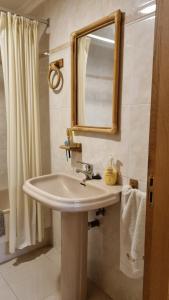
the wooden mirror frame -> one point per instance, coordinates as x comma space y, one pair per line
114, 18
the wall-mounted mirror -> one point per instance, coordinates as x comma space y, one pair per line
95, 75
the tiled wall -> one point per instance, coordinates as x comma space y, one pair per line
44, 105
3, 139
129, 147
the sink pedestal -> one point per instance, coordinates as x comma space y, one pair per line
64, 193
74, 228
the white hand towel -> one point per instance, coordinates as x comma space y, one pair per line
132, 232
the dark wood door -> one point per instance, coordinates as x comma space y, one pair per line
156, 275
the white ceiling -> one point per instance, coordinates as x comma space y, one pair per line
19, 5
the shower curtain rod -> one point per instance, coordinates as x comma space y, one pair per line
43, 21
129, 20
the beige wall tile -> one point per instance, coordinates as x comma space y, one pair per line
137, 62
129, 146
138, 141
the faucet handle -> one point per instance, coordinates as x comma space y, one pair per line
89, 167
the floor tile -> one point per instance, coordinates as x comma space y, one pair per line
7, 265
5, 291
53, 297
94, 293
54, 256
37, 277
33, 280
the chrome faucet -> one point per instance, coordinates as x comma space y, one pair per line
88, 172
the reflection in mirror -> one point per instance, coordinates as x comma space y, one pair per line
95, 77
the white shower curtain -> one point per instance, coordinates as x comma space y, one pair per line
19, 51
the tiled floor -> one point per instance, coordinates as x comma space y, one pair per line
36, 277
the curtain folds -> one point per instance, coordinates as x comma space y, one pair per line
19, 52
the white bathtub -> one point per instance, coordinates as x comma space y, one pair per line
4, 206
4, 240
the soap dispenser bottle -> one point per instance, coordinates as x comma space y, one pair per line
110, 173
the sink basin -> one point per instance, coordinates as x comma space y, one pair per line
66, 193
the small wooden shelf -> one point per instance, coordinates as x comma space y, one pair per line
74, 147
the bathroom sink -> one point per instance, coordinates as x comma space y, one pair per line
66, 193
73, 199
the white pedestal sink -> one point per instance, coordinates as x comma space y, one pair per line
65, 194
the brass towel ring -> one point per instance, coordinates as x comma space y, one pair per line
54, 68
